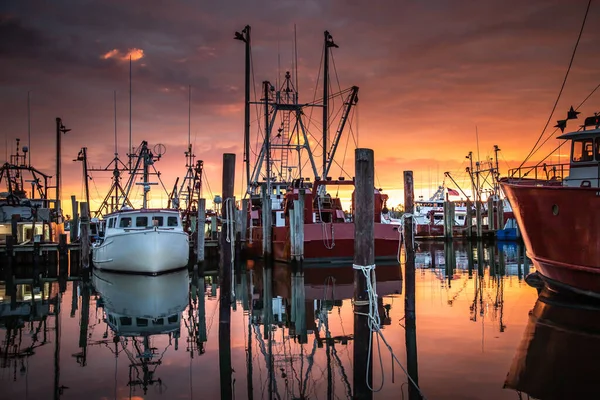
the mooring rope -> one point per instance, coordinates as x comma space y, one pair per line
375, 326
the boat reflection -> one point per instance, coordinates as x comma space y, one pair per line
139, 309
558, 355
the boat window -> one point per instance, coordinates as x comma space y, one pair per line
125, 321
583, 150
173, 318
125, 222
141, 322
598, 149
158, 321
111, 222
157, 221
172, 221
141, 222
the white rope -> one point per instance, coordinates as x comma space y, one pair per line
402, 233
230, 236
375, 326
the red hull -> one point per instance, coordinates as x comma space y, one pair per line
321, 246
561, 230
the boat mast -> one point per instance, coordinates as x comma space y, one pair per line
266, 86
328, 41
245, 37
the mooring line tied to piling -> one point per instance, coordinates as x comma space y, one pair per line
375, 326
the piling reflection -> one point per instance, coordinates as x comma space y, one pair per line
558, 354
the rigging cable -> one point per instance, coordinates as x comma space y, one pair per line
562, 86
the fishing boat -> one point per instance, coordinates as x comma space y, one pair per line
138, 309
557, 357
34, 213
144, 240
556, 207
279, 177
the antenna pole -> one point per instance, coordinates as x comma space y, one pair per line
189, 114
247, 105
28, 127
130, 148
115, 110
325, 100
266, 85
296, 61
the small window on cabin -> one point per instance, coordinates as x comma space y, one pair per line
141, 222
598, 149
172, 221
141, 322
125, 321
93, 229
125, 222
157, 221
111, 222
583, 150
173, 319
158, 321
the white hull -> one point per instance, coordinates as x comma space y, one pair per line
148, 251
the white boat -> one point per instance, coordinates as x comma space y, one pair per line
145, 240
148, 241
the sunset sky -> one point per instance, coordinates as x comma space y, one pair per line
430, 73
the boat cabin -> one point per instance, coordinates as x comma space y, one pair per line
142, 219
584, 163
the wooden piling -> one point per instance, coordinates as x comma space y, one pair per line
297, 233
500, 214
364, 256
213, 227
469, 219
479, 220
74, 232
449, 208
244, 226
14, 225
10, 254
85, 235
409, 287
267, 224
491, 214
84, 320
225, 277
63, 254
201, 235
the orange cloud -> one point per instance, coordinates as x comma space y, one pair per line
135, 54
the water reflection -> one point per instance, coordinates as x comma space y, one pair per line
558, 355
292, 332
137, 309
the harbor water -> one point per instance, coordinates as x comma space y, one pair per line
116, 336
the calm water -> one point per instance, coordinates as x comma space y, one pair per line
158, 337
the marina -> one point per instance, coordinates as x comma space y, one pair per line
339, 222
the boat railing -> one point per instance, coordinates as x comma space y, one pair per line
543, 173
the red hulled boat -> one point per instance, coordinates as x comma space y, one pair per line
328, 232
557, 208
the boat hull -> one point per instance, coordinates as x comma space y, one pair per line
327, 243
559, 226
151, 251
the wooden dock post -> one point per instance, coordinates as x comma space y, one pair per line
14, 225
469, 219
10, 241
364, 259
35, 258
267, 224
74, 232
201, 235
500, 214
297, 224
449, 208
479, 219
85, 235
410, 314
213, 227
63, 254
491, 214
227, 228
